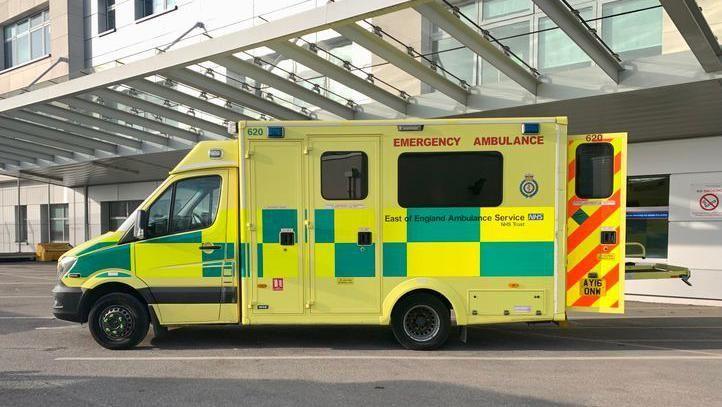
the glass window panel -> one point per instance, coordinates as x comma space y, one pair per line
636, 34
36, 20
498, 8
196, 203
159, 214
9, 60
23, 49
458, 179
344, 175
36, 44
653, 234
47, 39
556, 49
595, 170
519, 44
23, 27
648, 191
456, 59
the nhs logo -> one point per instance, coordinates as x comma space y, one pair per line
536, 216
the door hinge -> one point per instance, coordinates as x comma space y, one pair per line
309, 304
248, 154
307, 150
308, 224
250, 226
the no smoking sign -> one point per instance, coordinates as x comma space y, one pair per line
709, 202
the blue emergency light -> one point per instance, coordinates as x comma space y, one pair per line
530, 128
275, 132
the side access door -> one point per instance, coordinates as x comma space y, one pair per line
187, 258
596, 205
344, 239
276, 192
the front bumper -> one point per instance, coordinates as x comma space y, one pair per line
67, 302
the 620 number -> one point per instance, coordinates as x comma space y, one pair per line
255, 131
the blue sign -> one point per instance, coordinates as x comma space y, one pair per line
648, 215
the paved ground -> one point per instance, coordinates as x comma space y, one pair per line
660, 355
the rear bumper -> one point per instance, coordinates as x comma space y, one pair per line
67, 302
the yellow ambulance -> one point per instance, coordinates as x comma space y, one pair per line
412, 224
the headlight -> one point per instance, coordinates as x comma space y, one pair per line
65, 264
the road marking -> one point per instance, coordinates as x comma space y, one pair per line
57, 327
24, 283
611, 342
48, 278
26, 296
374, 357
27, 317
671, 340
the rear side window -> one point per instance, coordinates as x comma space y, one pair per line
594, 170
344, 175
450, 179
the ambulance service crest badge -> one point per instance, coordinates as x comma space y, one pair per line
529, 187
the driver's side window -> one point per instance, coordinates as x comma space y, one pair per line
188, 204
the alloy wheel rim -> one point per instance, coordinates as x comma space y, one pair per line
421, 323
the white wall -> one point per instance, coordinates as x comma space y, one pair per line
36, 194
693, 242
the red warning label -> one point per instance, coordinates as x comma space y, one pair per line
709, 202
277, 284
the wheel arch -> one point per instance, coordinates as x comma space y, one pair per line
90, 296
424, 285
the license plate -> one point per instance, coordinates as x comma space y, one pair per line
593, 287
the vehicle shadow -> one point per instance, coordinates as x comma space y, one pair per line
688, 334
24, 388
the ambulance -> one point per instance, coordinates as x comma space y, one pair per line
419, 225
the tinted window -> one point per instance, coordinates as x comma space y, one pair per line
189, 204
595, 170
344, 175
472, 179
195, 203
159, 214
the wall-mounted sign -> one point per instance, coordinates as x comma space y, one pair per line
705, 202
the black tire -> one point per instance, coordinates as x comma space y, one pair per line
118, 321
421, 322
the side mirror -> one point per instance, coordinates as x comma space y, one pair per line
141, 225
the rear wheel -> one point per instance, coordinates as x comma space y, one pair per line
421, 322
118, 321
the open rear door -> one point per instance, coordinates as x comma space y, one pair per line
596, 205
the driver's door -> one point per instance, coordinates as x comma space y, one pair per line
185, 255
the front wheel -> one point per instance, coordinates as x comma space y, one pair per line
421, 322
118, 321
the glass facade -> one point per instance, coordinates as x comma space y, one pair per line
632, 28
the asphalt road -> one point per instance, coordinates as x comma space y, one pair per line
654, 355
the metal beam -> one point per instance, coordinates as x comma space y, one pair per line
10, 161
172, 131
246, 99
563, 17
338, 74
15, 148
10, 138
160, 110
314, 20
690, 22
285, 85
52, 137
187, 100
402, 60
108, 142
16, 158
473, 40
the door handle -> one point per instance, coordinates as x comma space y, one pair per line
209, 247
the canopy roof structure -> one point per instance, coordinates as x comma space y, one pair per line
165, 103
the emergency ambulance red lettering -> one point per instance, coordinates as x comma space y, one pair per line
509, 141
427, 142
